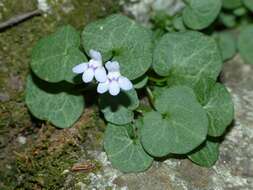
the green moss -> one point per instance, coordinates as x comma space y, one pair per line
46, 170
43, 164
16, 7
80, 12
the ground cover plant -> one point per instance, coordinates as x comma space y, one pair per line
157, 89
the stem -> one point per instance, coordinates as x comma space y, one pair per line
19, 18
157, 80
138, 111
150, 97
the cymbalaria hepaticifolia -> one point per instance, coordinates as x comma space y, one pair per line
159, 95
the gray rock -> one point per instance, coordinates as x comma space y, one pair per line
143, 9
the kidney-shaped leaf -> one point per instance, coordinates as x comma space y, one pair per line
122, 39
187, 57
125, 151
179, 126
206, 154
53, 102
119, 109
54, 56
199, 14
220, 110
245, 44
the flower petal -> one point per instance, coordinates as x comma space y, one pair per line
113, 75
100, 74
114, 88
125, 83
80, 68
95, 55
88, 75
102, 87
112, 66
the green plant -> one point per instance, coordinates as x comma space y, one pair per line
159, 93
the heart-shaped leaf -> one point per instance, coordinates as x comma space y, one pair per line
122, 39
220, 110
54, 56
206, 154
187, 57
119, 109
179, 125
245, 44
53, 102
199, 14
124, 149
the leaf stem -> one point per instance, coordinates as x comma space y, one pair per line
150, 97
157, 80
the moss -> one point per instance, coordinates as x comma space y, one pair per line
46, 170
81, 12
15, 6
52, 152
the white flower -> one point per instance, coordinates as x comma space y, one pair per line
93, 68
115, 81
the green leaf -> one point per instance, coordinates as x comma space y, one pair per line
228, 20
179, 125
119, 109
248, 4
125, 150
122, 39
239, 12
199, 14
202, 90
245, 44
227, 44
220, 110
161, 19
140, 82
54, 56
53, 102
157, 91
206, 154
231, 4
178, 23
187, 57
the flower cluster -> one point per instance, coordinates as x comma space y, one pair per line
110, 80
